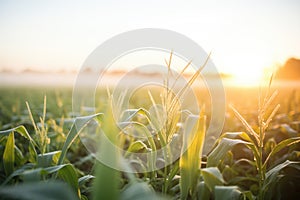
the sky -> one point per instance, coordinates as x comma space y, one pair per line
243, 36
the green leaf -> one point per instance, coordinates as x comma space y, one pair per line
129, 114
36, 174
32, 153
136, 147
221, 150
139, 191
69, 175
9, 154
38, 191
66, 172
271, 174
185, 172
280, 146
227, 193
79, 124
280, 179
45, 160
33, 175
234, 135
203, 191
212, 177
23, 132
106, 183
19, 129
135, 129
171, 176
19, 157
190, 161
18, 172
84, 179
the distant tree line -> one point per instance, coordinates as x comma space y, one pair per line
290, 70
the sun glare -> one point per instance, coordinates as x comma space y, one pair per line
250, 70
247, 77
247, 80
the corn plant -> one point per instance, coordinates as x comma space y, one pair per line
160, 125
254, 140
107, 181
190, 161
40, 128
45, 159
36, 167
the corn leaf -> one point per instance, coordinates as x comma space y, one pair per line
190, 160
236, 135
106, 183
19, 129
84, 179
9, 154
45, 160
280, 146
34, 175
18, 172
135, 147
79, 124
139, 191
38, 190
203, 191
23, 132
37, 173
227, 193
221, 150
281, 178
212, 177
69, 175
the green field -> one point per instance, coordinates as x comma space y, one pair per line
256, 157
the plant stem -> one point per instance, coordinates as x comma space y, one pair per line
260, 169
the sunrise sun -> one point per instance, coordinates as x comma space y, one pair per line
250, 71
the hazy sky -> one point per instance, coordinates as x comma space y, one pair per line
61, 34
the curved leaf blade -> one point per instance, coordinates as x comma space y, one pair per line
9, 154
79, 124
212, 177
222, 148
280, 146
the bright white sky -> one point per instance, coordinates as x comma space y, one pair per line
244, 36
